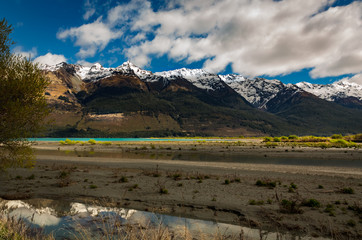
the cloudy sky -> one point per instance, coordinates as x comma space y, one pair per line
318, 41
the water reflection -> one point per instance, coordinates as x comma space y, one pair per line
78, 218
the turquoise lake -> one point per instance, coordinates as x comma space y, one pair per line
119, 139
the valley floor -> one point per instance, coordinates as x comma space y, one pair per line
209, 184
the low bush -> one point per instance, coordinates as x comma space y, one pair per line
347, 190
337, 136
289, 206
293, 137
266, 183
313, 203
254, 202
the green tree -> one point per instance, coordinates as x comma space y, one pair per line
23, 107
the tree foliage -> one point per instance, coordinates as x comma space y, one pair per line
23, 107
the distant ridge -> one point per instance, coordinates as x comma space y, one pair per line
194, 101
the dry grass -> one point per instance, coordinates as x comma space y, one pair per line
16, 229
110, 229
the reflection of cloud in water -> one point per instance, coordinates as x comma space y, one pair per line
41, 216
40, 219
90, 216
91, 210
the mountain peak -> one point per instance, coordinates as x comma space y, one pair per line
130, 68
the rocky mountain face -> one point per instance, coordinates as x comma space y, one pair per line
130, 101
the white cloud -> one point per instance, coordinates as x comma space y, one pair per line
89, 13
90, 37
50, 59
90, 9
261, 37
85, 63
356, 79
19, 50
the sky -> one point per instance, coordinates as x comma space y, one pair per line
318, 41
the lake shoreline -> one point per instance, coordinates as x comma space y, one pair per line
218, 191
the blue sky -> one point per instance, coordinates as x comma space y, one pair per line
318, 41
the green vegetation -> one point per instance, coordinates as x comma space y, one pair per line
330, 210
23, 106
335, 141
92, 186
313, 203
289, 206
254, 202
163, 191
266, 183
90, 141
347, 190
123, 179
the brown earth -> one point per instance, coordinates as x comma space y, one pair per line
204, 182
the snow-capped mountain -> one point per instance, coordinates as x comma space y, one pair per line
333, 91
258, 91
127, 99
198, 77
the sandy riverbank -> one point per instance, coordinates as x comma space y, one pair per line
132, 174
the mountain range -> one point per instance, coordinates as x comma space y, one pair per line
128, 101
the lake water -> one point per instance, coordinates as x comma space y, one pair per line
69, 221
121, 139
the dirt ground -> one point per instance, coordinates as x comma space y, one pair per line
240, 184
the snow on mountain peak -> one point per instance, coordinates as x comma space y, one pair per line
230, 78
198, 77
330, 92
129, 68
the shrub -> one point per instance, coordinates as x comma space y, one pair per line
163, 191
176, 176
227, 181
123, 179
347, 190
69, 142
330, 210
290, 206
312, 203
293, 137
284, 138
337, 136
31, 177
276, 139
271, 144
253, 202
266, 183
357, 138
92, 186
92, 141
339, 143
268, 139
